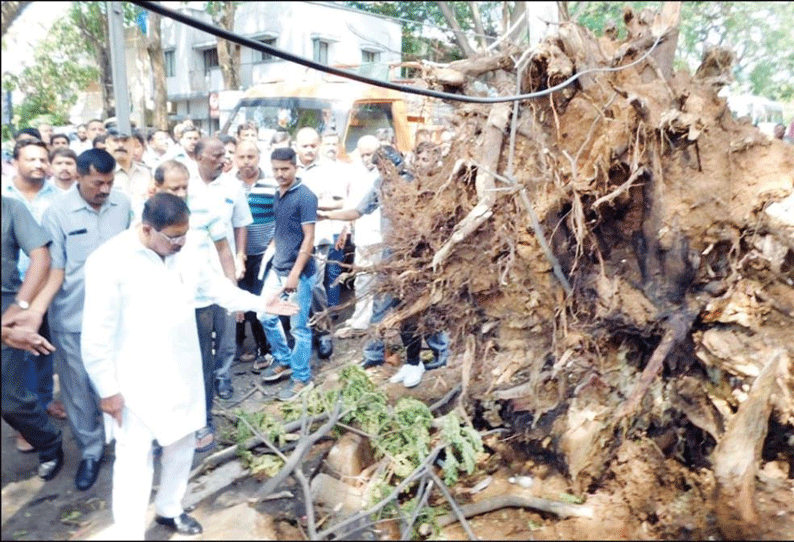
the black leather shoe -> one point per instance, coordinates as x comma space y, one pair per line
325, 347
87, 473
50, 469
183, 524
223, 387
370, 363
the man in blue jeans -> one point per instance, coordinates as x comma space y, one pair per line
293, 273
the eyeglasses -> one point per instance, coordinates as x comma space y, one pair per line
178, 240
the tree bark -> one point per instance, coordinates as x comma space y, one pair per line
11, 10
228, 53
460, 37
154, 47
475, 15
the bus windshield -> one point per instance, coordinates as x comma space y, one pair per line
289, 114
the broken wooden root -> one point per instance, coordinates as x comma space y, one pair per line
561, 509
737, 456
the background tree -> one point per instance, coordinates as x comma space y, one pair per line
222, 14
154, 48
91, 22
10, 12
759, 33
54, 80
428, 34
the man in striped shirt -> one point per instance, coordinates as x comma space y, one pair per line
260, 191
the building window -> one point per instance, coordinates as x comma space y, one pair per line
210, 59
267, 57
170, 63
321, 51
370, 57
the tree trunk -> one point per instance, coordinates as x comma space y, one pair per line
11, 10
228, 53
519, 33
460, 37
475, 14
154, 47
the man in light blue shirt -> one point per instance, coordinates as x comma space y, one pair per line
79, 222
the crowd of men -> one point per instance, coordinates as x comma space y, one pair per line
132, 263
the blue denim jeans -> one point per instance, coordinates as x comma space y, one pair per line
332, 272
298, 359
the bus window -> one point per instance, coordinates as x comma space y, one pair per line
365, 119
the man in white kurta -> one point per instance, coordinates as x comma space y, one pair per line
141, 351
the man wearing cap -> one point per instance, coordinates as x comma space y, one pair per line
130, 177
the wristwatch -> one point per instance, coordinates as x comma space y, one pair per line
24, 305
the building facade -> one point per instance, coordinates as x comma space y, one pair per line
327, 33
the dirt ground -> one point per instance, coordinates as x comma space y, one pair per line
645, 495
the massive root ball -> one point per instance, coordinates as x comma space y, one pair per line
651, 203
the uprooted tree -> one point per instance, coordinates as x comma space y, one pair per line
614, 261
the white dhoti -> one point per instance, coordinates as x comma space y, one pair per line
133, 471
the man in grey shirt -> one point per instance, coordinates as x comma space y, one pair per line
21, 409
82, 219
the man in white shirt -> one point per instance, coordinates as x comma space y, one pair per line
140, 349
227, 199
366, 236
327, 182
157, 148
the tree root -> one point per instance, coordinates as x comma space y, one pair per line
561, 509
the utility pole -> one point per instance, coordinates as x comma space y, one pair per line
119, 65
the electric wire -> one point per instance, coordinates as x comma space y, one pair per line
263, 47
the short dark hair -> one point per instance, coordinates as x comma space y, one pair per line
27, 143
163, 210
168, 165
101, 138
151, 134
329, 132
29, 131
100, 159
137, 134
59, 136
66, 152
94, 120
247, 125
226, 139
287, 154
201, 143
81, 125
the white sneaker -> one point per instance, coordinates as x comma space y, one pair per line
399, 376
413, 374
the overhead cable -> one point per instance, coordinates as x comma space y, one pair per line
265, 48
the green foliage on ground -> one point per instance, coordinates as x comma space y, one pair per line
404, 434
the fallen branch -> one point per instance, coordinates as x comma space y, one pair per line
459, 515
561, 509
422, 495
231, 452
297, 456
421, 470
